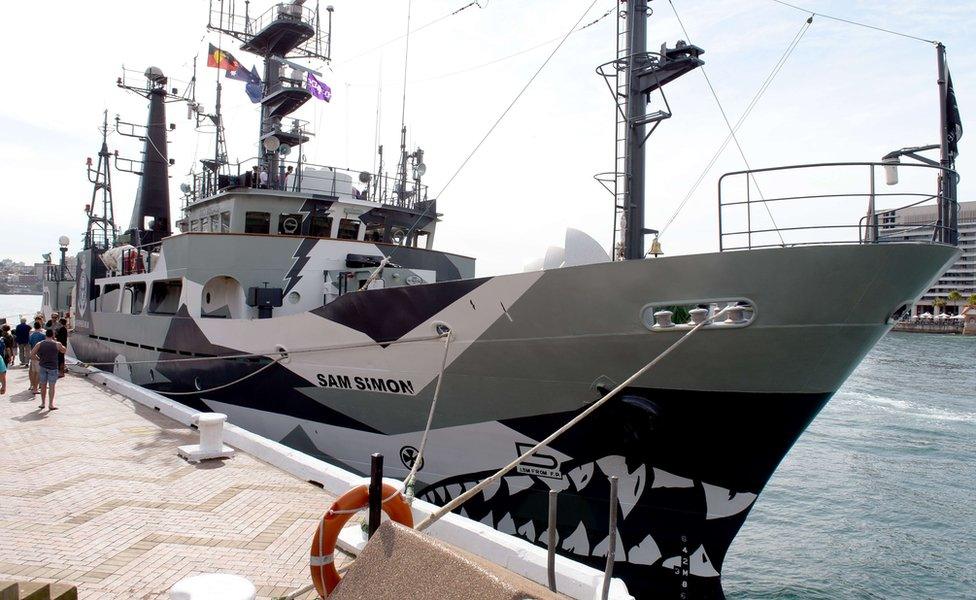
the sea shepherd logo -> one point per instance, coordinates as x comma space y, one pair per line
366, 384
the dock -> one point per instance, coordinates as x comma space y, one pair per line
93, 494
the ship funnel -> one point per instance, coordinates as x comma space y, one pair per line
150, 215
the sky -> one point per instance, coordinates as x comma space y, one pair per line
846, 93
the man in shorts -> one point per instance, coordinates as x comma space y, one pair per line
47, 353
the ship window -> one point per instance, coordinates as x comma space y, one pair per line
133, 296
320, 227
205, 225
215, 223
109, 300
194, 225
290, 223
165, 297
225, 222
421, 239
375, 232
348, 229
257, 222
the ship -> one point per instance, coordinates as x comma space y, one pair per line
310, 305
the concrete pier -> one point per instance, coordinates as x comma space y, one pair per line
94, 494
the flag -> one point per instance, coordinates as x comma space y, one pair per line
222, 60
318, 88
953, 120
254, 87
242, 74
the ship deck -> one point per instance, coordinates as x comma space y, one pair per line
93, 494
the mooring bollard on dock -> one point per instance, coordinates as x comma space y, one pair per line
211, 427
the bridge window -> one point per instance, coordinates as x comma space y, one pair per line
225, 222
375, 232
349, 229
109, 300
257, 222
215, 223
290, 223
133, 297
320, 227
164, 298
194, 225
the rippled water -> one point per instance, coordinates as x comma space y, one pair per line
878, 498
14, 305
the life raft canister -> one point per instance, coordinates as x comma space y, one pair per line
325, 577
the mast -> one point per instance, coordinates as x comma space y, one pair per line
101, 225
150, 216
632, 77
286, 30
636, 109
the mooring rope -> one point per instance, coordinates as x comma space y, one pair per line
284, 354
436, 515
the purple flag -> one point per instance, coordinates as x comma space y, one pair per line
318, 88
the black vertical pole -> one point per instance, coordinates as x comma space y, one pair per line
375, 491
635, 111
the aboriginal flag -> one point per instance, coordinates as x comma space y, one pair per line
953, 120
222, 60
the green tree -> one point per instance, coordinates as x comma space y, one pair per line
954, 296
971, 300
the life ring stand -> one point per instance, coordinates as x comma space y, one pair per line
325, 577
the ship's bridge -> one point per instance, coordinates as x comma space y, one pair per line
310, 201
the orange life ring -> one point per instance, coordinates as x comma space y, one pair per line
325, 577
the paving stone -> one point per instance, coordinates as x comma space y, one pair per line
93, 494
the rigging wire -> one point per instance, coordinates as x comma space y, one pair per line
728, 124
491, 130
514, 54
421, 28
745, 114
406, 63
857, 23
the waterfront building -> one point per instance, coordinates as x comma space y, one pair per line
915, 223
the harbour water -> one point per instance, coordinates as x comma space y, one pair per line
878, 498
12, 305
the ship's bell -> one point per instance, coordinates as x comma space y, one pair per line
656, 248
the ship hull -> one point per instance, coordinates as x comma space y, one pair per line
693, 442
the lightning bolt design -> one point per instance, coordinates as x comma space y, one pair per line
301, 259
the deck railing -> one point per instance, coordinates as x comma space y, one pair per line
826, 210
332, 181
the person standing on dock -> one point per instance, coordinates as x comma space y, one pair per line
36, 337
8, 345
61, 335
47, 353
3, 376
22, 337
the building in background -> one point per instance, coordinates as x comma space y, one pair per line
915, 223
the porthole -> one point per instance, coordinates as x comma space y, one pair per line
294, 297
208, 297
